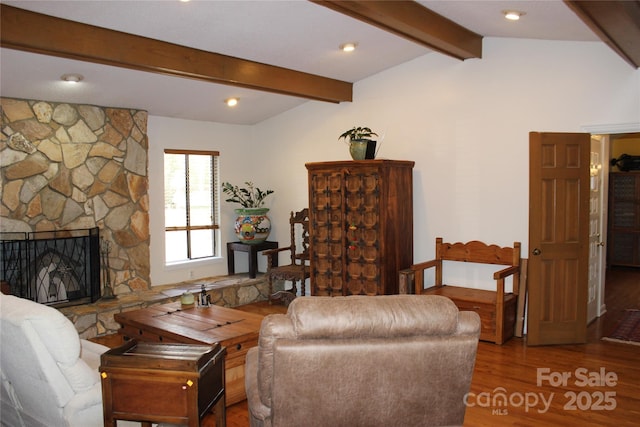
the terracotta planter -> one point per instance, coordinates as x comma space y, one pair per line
252, 225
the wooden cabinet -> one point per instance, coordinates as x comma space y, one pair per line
624, 219
360, 226
164, 383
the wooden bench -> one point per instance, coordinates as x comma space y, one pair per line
497, 309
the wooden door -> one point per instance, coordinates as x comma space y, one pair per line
558, 238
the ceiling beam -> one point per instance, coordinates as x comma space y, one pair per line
414, 22
34, 32
616, 22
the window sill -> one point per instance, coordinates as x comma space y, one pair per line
179, 265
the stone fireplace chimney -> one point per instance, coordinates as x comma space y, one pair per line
68, 167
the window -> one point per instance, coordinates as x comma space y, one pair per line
190, 205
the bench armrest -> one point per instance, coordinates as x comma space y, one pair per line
499, 276
506, 272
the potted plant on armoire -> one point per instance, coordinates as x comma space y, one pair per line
361, 146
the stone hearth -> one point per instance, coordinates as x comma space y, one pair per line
95, 320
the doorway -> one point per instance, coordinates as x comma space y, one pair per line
612, 145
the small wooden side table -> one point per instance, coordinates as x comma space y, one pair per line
252, 250
163, 383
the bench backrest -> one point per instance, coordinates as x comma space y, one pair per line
476, 251
479, 252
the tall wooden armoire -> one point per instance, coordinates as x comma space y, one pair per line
360, 226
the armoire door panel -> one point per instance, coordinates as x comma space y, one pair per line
336, 252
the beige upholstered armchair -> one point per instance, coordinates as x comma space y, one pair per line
404, 360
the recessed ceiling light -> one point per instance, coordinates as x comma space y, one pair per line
72, 78
348, 47
231, 102
513, 15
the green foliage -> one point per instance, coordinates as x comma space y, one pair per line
356, 133
248, 197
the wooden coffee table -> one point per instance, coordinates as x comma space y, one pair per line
171, 323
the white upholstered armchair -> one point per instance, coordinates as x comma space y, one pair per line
49, 375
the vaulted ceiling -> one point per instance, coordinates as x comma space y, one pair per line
183, 59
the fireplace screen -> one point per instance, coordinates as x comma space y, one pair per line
52, 267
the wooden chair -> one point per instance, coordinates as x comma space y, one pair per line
298, 269
497, 309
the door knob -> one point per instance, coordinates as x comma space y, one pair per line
537, 251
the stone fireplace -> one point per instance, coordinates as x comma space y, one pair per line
76, 167
70, 167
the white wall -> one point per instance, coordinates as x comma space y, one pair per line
465, 124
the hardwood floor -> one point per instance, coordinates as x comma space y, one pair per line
589, 397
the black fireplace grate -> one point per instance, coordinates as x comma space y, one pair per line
52, 267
